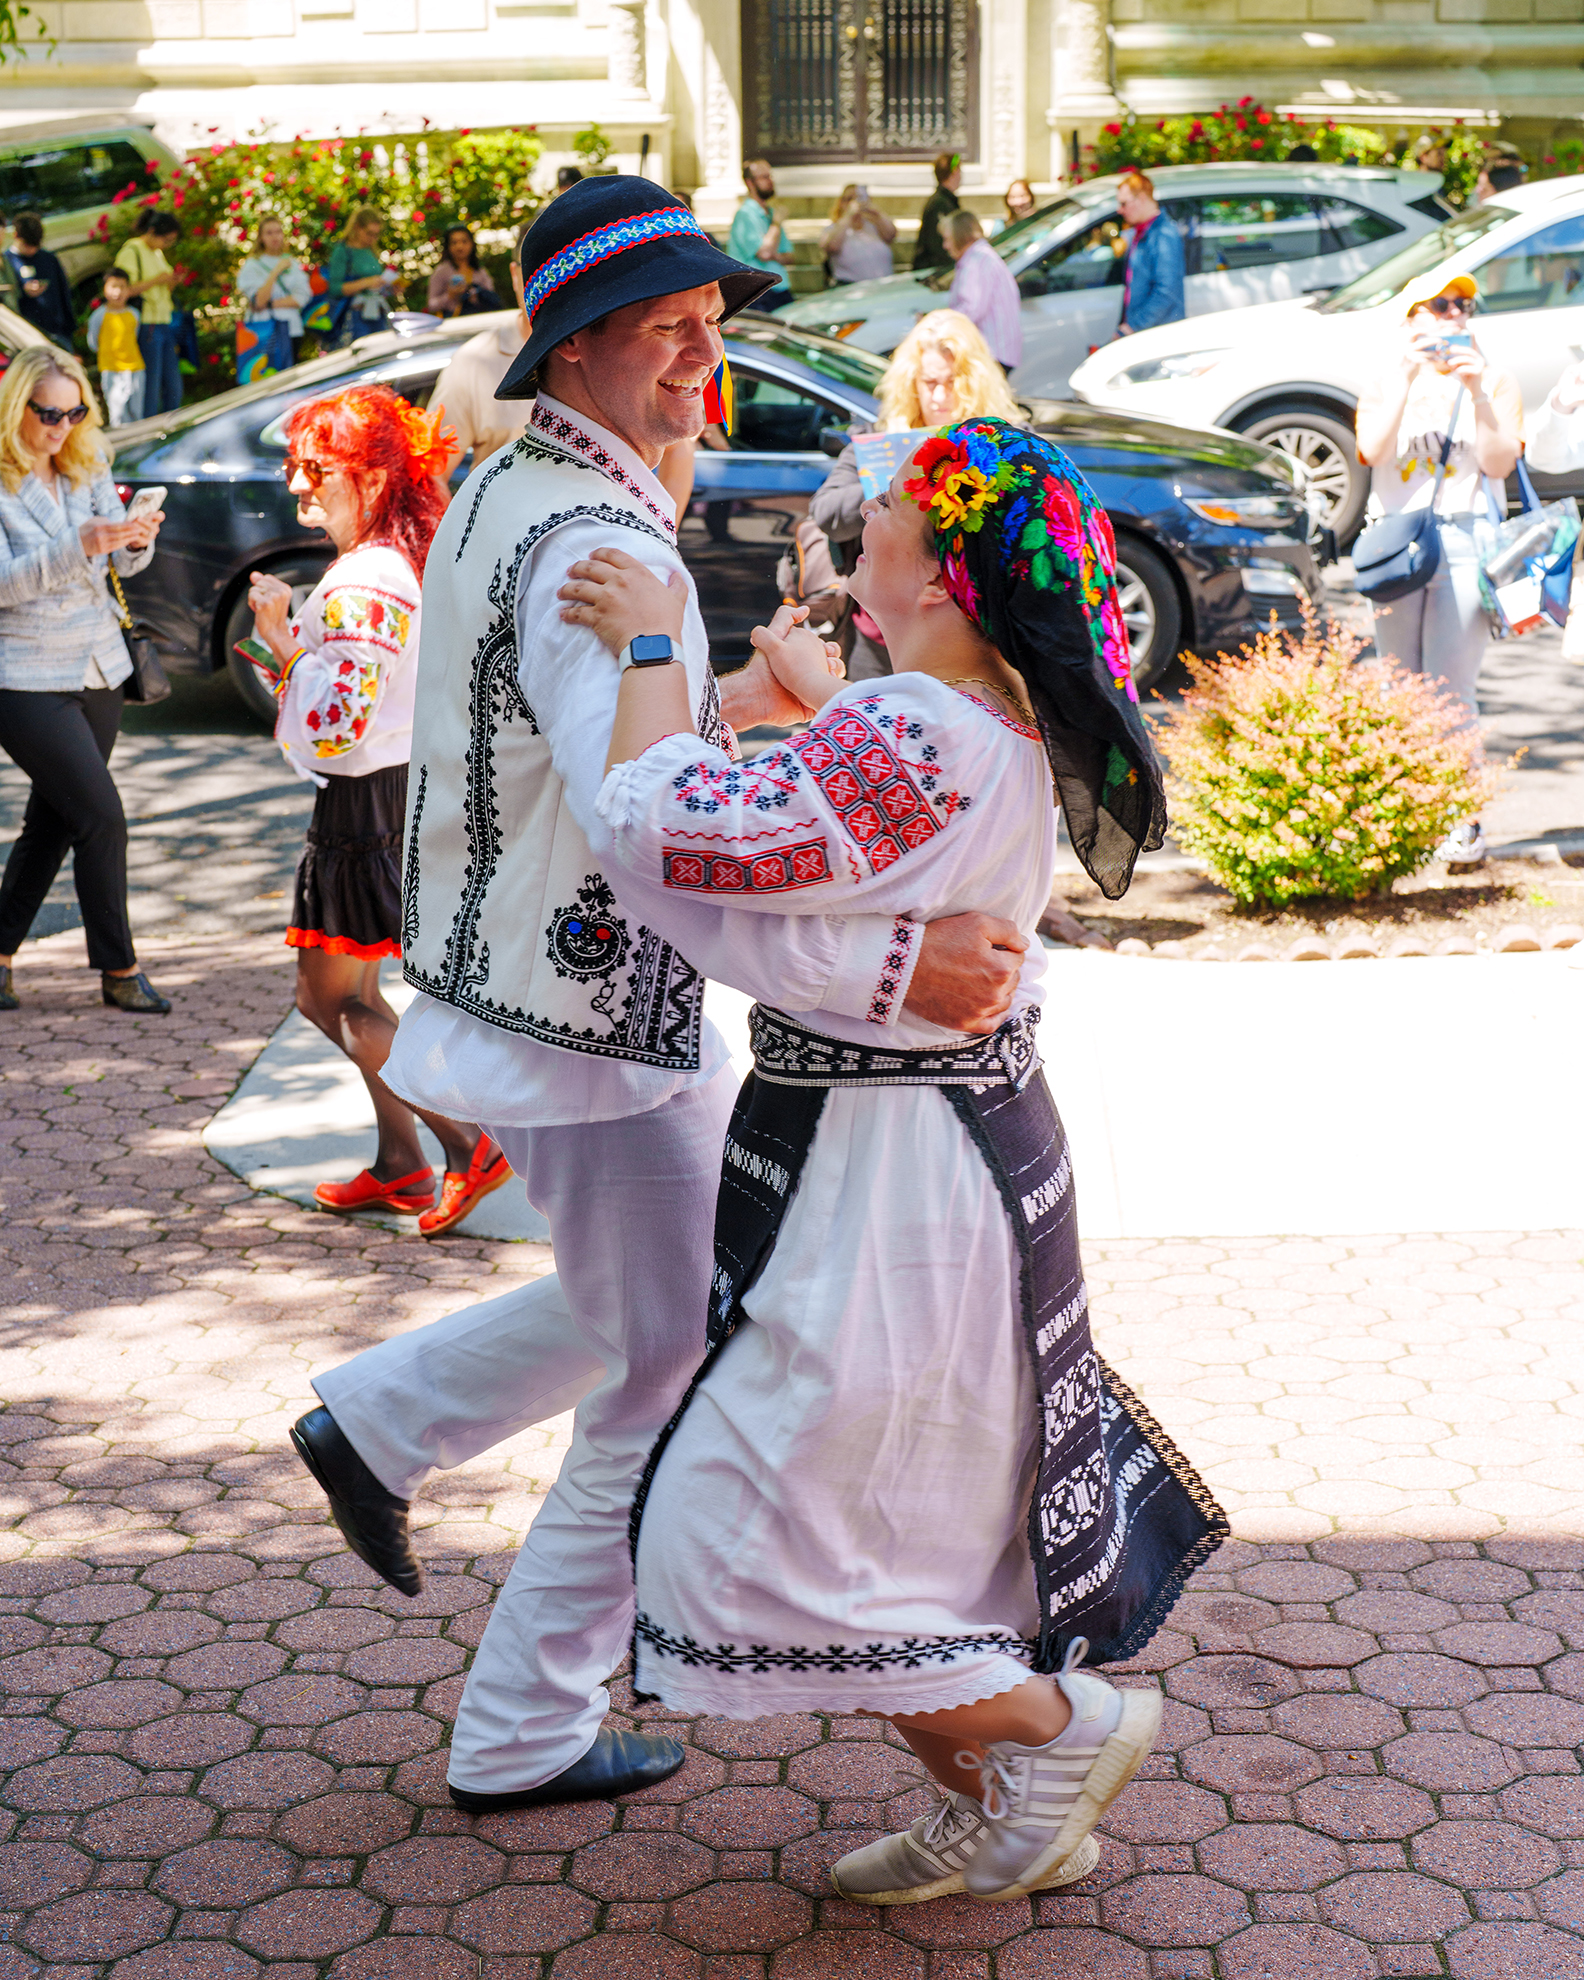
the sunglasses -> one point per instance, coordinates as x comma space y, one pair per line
53, 415
1449, 305
311, 471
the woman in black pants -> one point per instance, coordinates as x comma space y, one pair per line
63, 664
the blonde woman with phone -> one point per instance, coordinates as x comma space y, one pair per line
64, 663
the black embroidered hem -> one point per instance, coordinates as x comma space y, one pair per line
911, 1654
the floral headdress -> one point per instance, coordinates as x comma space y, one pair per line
1028, 555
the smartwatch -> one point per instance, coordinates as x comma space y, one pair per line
647, 650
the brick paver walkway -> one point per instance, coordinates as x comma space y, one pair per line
224, 1745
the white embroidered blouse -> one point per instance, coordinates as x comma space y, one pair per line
346, 695
903, 797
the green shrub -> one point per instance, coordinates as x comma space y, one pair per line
1294, 771
1241, 130
591, 148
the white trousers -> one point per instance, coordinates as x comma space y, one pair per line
619, 1333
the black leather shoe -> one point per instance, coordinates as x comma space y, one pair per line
133, 993
9, 1000
373, 1522
618, 1762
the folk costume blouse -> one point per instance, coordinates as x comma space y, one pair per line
345, 697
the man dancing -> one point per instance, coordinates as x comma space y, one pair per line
576, 1029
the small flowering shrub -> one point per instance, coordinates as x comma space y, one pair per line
1294, 772
1241, 130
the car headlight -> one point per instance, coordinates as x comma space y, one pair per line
1248, 511
1181, 364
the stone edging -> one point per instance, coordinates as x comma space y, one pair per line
1517, 939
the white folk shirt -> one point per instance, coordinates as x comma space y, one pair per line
453, 1063
346, 695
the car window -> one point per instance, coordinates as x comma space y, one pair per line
1253, 230
1542, 272
1090, 260
1350, 226
843, 364
1020, 234
774, 417
1394, 274
60, 178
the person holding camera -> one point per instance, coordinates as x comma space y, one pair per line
857, 243
1434, 393
45, 297
64, 663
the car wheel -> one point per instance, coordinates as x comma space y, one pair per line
1151, 611
302, 574
1328, 450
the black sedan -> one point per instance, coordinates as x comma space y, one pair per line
1213, 533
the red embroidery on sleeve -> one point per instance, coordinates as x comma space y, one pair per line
871, 789
765, 873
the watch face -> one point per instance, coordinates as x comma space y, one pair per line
649, 647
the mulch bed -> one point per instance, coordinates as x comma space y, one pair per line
1187, 907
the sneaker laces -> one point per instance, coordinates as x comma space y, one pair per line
998, 1782
948, 1821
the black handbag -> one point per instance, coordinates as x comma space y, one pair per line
148, 680
1402, 553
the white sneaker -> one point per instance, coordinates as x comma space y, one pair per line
1464, 845
927, 1861
1040, 1802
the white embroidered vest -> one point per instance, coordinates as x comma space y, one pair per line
505, 913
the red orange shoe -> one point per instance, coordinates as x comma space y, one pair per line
406, 1194
461, 1190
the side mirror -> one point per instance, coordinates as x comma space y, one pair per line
833, 439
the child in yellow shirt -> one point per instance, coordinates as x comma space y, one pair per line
113, 339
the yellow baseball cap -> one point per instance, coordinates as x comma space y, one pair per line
1428, 288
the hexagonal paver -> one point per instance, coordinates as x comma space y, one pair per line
1528, 1718
188, 1959
522, 1918
1420, 1678
308, 1924
1364, 1808
405, 1959
1393, 1905
191, 1739
1515, 1952
378, 1739
1470, 1581
632, 1956
1552, 1803
1067, 1953
1272, 1856
433, 1870
345, 1824
1395, 1612
97, 1925
1448, 1762
639, 1868
120, 1703
223, 1874
1498, 1643
741, 1917
47, 1673
74, 1781
1337, 1721
750, 1818
1244, 1763
1294, 1952
1314, 1645
265, 1780
34, 1873
1482, 1856
1296, 1581
1220, 1683
405, 1660
768, 1739
147, 1825
1175, 1910
1561, 1900
1165, 1812
853, 1770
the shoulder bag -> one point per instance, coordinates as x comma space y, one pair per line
1401, 553
148, 680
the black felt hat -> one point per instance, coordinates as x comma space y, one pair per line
608, 242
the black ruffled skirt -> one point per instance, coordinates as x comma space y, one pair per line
348, 895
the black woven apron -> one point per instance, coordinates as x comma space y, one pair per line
1119, 1519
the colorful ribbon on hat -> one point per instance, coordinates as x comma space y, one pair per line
590, 249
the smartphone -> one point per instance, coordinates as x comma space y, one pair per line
861, 194
145, 503
256, 651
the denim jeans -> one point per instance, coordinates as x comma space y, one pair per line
162, 380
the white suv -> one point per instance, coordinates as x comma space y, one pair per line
1289, 374
1251, 234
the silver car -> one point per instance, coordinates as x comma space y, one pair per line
1251, 234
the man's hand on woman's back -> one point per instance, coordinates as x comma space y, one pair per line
966, 972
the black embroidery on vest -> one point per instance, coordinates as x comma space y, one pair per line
588, 939
409, 926
508, 454
657, 1021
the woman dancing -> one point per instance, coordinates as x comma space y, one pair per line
904, 1483
365, 467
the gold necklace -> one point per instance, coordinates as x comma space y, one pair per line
1020, 709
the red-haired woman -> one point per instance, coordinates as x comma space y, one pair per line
366, 468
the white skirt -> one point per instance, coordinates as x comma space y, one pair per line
840, 1521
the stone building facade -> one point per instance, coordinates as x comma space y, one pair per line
831, 90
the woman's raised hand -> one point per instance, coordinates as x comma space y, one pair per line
619, 599
809, 668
